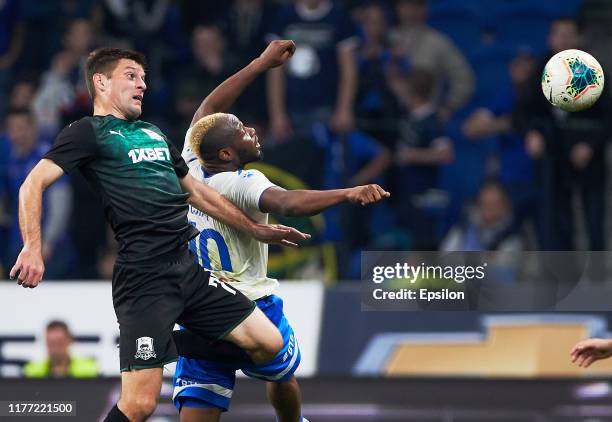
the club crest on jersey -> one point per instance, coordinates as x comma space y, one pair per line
149, 154
144, 348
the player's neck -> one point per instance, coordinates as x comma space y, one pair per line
103, 108
214, 168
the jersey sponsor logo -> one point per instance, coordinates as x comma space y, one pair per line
153, 135
149, 154
144, 348
114, 132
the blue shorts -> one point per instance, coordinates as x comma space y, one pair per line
212, 383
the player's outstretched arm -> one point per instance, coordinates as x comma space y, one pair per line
222, 97
588, 351
310, 202
29, 267
211, 202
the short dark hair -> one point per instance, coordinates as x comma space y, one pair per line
104, 60
56, 323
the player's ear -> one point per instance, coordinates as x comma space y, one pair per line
100, 82
225, 154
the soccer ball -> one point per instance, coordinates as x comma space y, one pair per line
572, 80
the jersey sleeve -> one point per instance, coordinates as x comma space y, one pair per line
188, 155
250, 186
74, 147
180, 167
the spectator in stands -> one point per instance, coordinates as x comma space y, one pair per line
377, 109
320, 81
351, 160
488, 226
26, 149
514, 168
427, 48
62, 96
145, 25
569, 152
211, 64
244, 25
22, 93
12, 32
60, 363
422, 149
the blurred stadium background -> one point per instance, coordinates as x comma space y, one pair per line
445, 111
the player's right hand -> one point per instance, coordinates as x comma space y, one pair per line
367, 194
277, 53
279, 235
588, 351
29, 268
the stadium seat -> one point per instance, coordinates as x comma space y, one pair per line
523, 26
461, 23
490, 64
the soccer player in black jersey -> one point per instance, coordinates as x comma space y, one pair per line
145, 187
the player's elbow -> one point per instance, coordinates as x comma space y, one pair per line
31, 186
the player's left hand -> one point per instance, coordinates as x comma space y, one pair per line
588, 351
29, 268
367, 194
277, 53
279, 234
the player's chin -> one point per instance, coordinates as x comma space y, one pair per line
254, 158
134, 112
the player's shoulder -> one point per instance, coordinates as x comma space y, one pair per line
250, 174
81, 127
238, 180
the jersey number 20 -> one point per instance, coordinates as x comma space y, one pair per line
200, 249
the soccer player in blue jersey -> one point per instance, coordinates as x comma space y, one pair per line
217, 147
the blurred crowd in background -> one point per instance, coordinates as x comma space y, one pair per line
438, 101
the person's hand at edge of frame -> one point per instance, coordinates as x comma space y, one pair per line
586, 352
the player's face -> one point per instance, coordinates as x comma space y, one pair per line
127, 88
247, 145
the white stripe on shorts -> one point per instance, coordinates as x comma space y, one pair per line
284, 371
215, 388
